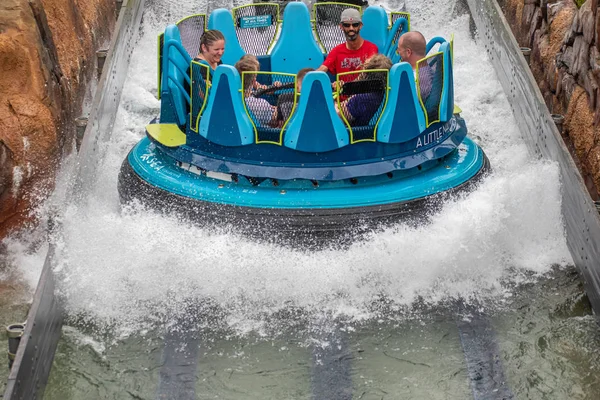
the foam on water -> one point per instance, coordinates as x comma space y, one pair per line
131, 268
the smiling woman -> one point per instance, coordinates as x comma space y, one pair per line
212, 47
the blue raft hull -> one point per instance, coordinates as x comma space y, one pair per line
292, 210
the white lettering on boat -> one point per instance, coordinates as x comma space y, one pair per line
152, 161
437, 135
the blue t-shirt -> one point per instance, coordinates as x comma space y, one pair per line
363, 106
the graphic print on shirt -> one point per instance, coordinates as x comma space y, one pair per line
351, 62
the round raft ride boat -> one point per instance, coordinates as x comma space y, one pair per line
313, 174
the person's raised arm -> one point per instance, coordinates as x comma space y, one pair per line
323, 68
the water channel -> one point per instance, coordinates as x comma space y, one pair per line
264, 322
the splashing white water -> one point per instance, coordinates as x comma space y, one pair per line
124, 267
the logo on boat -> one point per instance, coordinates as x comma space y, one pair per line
152, 161
438, 134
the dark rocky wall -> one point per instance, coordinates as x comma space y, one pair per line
47, 57
565, 61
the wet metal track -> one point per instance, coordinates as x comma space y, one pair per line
330, 373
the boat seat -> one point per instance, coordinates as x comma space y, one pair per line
191, 30
175, 99
256, 26
403, 118
222, 20
447, 102
315, 126
399, 28
326, 16
224, 120
296, 47
375, 26
433, 41
439, 104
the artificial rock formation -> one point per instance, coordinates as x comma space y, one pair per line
47, 57
565, 61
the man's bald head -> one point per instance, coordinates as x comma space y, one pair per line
415, 41
412, 47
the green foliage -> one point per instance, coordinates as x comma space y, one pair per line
579, 3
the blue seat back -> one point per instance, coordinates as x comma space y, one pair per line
256, 26
375, 26
222, 20
191, 29
439, 103
399, 28
403, 118
447, 106
296, 47
450, 79
432, 42
315, 126
176, 61
224, 120
326, 16
395, 16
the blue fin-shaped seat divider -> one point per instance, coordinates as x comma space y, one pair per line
375, 26
222, 20
315, 126
225, 121
403, 118
296, 47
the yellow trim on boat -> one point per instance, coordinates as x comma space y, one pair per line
401, 14
168, 135
427, 122
385, 100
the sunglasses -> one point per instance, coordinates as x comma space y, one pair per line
354, 25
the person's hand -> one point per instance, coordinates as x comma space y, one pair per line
276, 83
334, 85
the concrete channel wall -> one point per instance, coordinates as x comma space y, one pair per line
33, 361
582, 221
108, 96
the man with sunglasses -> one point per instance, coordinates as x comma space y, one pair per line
351, 55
